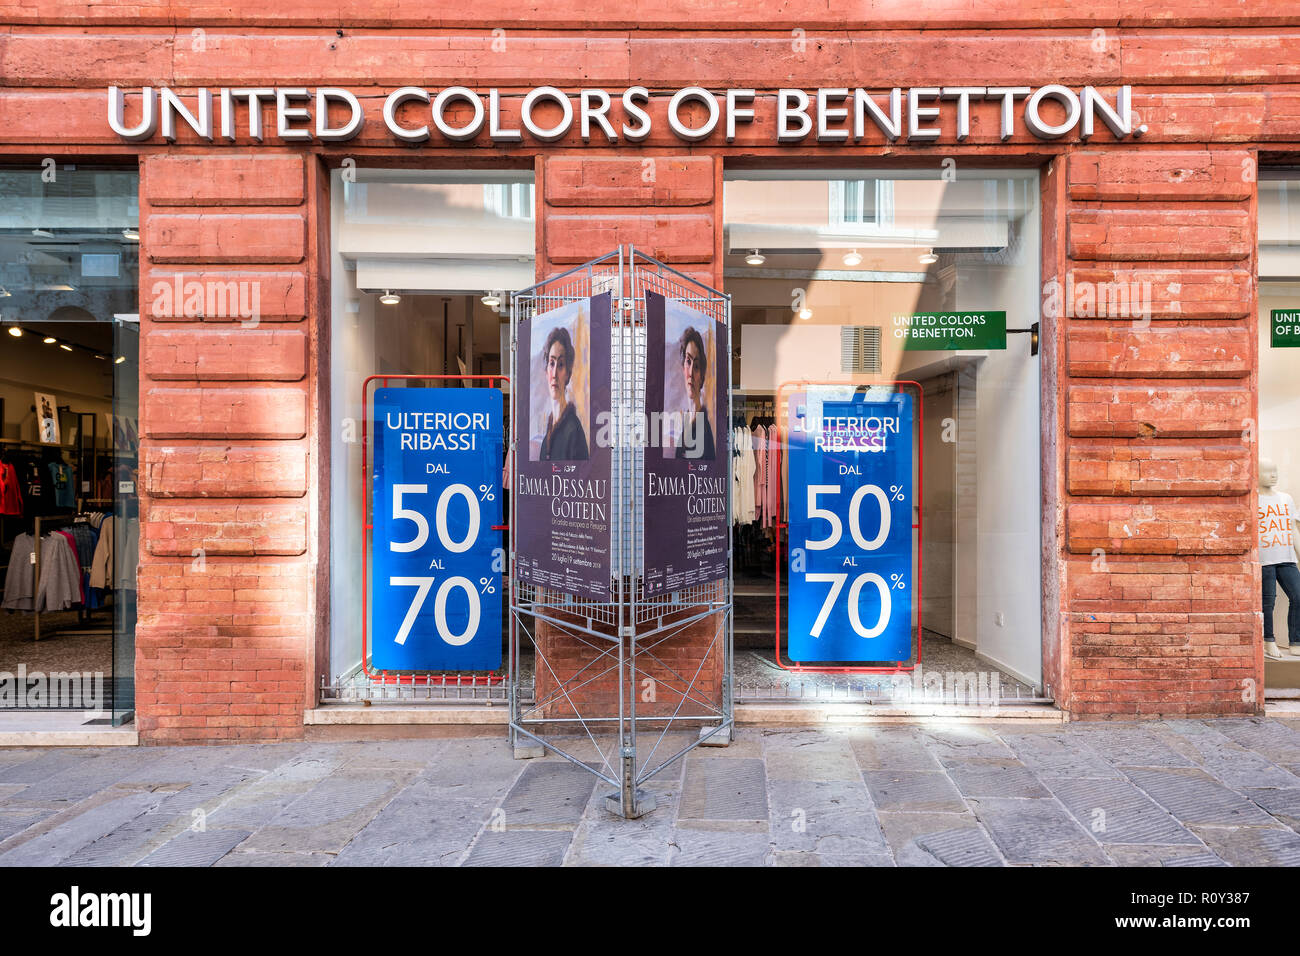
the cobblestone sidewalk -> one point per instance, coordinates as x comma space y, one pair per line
1175, 793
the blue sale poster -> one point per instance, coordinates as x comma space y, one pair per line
851, 496
435, 567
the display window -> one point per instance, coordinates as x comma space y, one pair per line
423, 263
1278, 431
69, 400
895, 310
884, 354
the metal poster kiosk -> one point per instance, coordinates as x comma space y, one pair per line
620, 531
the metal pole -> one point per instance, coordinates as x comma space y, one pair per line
626, 653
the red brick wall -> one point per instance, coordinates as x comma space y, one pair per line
226, 418
1144, 454
1161, 592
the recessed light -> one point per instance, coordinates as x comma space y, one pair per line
852, 258
119, 360
390, 298
15, 331
928, 258
132, 234
756, 258
491, 300
4, 293
805, 313
66, 348
49, 340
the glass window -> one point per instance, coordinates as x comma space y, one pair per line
829, 272
423, 266
69, 373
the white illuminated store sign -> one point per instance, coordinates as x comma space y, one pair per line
458, 114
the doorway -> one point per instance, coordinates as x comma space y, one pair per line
69, 409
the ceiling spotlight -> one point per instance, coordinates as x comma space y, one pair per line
756, 258
805, 313
119, 360
15, 331
852, 258
4, 293
491, 300
132, 234
928, 258
66, 348
43, 233
49, 340
390, 298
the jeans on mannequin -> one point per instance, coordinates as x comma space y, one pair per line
1287, 575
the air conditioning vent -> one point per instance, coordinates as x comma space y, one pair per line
860, 349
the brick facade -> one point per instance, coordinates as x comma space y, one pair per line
1151, 588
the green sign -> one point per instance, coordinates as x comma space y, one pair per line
923, 331
1286, 328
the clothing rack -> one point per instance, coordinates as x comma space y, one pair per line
83, 613
16, 443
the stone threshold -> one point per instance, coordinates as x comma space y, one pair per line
780, 714
27, 728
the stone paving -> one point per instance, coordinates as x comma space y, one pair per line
1172, 793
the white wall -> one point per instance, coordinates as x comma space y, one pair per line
1008, 410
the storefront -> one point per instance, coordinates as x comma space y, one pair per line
1068, 242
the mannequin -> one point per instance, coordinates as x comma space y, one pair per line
1279, 546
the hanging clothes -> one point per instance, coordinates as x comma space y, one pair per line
126, 533
20, 575
85, 537
101, 561
72, 543
11, 496
743, 467
60, 585
773, 503
65, 488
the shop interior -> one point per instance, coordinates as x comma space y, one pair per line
68, 429
821, 267
1279, 420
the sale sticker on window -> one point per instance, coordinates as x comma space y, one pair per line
851, 498
436, 562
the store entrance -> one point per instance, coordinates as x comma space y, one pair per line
422, 265
69, 368
68, 469
848, 279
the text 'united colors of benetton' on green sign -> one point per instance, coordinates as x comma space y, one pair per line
921, 331
1286, 328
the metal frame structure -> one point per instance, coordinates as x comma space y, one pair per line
626, 630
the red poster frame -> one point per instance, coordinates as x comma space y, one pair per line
385, 677
899, 667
